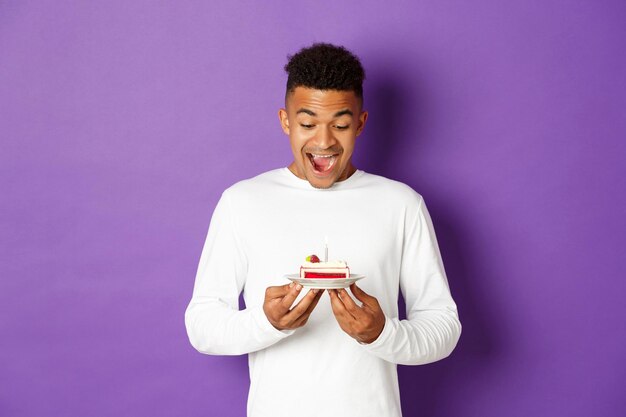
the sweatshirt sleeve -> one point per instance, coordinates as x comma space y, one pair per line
214, 323
432, 328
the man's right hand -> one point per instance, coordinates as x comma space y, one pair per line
278, 301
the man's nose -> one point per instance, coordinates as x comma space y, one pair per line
325, 138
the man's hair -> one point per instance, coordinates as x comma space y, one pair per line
323, 66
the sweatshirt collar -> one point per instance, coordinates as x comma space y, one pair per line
339, 185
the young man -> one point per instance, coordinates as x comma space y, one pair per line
315, 352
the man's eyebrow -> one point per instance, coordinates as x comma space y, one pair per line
307, 111
342, 112
338, 114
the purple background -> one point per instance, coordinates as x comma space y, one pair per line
122, 123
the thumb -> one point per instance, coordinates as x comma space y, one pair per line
278, 291
362, 296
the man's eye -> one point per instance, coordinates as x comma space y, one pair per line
342, 127
306, 126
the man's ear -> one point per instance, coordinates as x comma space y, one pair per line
284, 120
362, 120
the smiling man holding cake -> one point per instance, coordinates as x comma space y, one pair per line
309, 354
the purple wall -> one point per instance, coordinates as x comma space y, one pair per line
122, 122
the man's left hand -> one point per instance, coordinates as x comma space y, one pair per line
363, 323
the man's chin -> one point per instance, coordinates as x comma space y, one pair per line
321, 186
321, 183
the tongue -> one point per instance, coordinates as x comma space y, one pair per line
321, 164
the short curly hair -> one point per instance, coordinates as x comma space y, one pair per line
324, 66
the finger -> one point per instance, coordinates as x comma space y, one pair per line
301, 321
303, 305
316, 300
291, 296
363, 297
339, 309
278, 291
349, 303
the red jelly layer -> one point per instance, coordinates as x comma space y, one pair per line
323, 275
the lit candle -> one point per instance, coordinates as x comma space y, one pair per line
326, 249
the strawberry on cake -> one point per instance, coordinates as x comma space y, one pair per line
313, 268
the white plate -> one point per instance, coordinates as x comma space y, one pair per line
324, 283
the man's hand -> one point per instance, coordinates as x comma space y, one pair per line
278, 301
364, 323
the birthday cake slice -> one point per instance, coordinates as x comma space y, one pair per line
313, 268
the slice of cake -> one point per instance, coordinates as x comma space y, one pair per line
313, 268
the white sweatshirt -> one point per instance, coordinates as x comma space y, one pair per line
262, 229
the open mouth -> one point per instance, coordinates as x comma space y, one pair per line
322, 163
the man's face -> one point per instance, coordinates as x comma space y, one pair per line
322, 126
